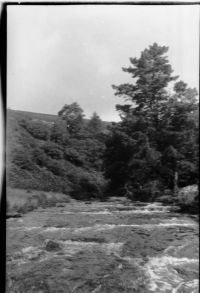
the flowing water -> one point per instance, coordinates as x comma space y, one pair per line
101, 247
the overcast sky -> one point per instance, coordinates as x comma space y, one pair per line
61, 54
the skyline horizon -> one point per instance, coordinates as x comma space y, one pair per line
59, 55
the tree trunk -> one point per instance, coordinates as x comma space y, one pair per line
128, 192
175, 191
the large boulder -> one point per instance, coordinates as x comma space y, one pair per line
51, 245
188, 198
188, 194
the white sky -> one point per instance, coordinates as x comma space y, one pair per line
61, 54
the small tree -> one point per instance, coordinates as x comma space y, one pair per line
59, 132
95, 123
73, 115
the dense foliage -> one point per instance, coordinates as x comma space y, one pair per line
63, 155
155, 146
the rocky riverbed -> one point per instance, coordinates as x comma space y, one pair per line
103, 247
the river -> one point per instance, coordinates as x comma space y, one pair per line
103, 247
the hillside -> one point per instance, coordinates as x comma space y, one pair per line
43, 155
31, 115
49, 118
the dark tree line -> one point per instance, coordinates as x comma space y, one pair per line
155, 146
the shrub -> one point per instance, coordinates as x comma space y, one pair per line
73, 156
147, 192
88, 185
23, 159
37, 129
53, 150
188, 174
27, 207
59, 132
55, 167
39, 157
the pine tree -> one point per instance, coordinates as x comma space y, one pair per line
151, 141
151, 73
179, 132
95, 123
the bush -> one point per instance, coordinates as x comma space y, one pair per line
88, 185
147, 192
40, 157
37, 129
53, 150
55, 167
73, 156
27, 207
59, 132
188, 174
20, 201
23, 159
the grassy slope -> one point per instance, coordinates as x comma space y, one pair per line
23, 201
31, 115
37, 177
17, 114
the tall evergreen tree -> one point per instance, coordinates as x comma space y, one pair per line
147, 145
179, 132
95, 123
151, 73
